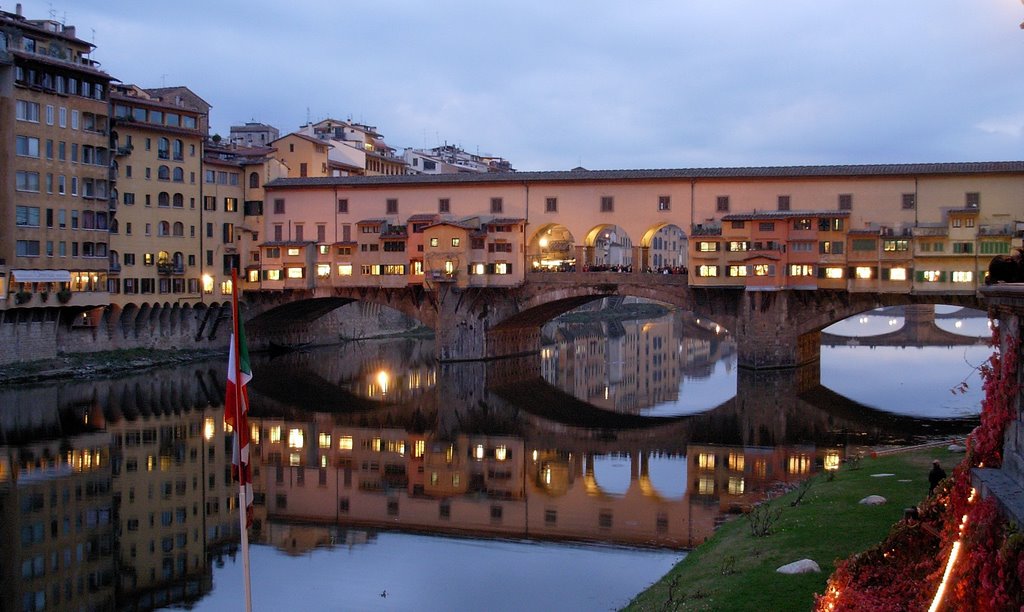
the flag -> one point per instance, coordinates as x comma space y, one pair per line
236, 407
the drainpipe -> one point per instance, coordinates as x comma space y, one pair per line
526, 215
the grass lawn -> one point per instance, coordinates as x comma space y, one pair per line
736, 571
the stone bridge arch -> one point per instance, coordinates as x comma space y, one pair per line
288, 317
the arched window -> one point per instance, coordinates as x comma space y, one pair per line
163, 199
163, 173
179, 228
179, 175
179, 200
254, 180
163, 229
115, 260
179, 150
163, 147
163, 258
115, 227
179, 260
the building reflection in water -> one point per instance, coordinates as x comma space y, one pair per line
117, 493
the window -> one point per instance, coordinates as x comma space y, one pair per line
845, 201
27, 248
963, 276
898, 274
896, 245
737, 246
391, 206
607, 204
455, 242
708, 247
163, 148
254, 180
766, 226
802, 224
830, 247
26, 181
163, 173
973, 199
444, 205
707, 270
163, 199
722, 203
279, 206
551, 205
963, 247
26, 216
736, 271
27, 111
433, 242
496, 205
664, 203
230, 204
864, 244
909, 201
26, 146
862, 272
801, 270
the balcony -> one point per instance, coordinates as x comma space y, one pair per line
114, 268
167, 269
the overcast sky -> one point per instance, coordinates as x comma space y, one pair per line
554, 84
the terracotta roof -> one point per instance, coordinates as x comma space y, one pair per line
371, 221
422, 217
852, 171
274, 243
506, 221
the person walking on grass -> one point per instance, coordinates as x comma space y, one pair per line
935, 476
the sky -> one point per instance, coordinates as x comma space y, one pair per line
556, 84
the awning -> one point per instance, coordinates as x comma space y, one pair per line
40, 276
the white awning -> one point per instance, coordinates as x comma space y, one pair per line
40, 276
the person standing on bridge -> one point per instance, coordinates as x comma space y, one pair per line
935, 476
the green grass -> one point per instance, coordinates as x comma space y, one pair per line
736, 571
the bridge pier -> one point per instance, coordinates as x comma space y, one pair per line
767, 332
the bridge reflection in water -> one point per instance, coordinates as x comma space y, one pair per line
377, 436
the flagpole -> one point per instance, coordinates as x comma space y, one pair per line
242, 519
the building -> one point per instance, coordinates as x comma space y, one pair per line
253, 134
157, 233
54, 166
450, 159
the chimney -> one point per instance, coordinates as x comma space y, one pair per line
69, 31
17, 9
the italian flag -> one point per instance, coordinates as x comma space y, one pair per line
236, 408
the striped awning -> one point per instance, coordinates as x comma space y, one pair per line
40, 276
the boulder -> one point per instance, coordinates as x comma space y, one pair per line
803, 566
956, 448
873, 500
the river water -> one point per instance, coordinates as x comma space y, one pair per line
384, 480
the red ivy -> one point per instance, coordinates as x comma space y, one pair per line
903, 572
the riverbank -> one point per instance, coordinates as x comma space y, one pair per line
735, 570
101, 363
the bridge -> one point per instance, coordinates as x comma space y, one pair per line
773, 329
773, 254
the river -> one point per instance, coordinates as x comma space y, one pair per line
387, 481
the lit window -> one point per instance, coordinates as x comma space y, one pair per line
734, 246
295, 272
833, 273
296, 438
273, 275
345, 443
293, 251
501, 453
764, 270
898, 274
706, 270
294, 459
225, 287
420, 448
799, 464
831, 461
325, 440
706, 461
863, 272
344, 269
501, 268
323, 270
708, 247
962, 276
275, 434
433, 242
932, 276
735, 485
478, 452
455, 242
736, 462
801, 270
737, 270
479, 268
705, 485
207, 283
254, 276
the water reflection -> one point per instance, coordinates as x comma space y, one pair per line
116, 493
